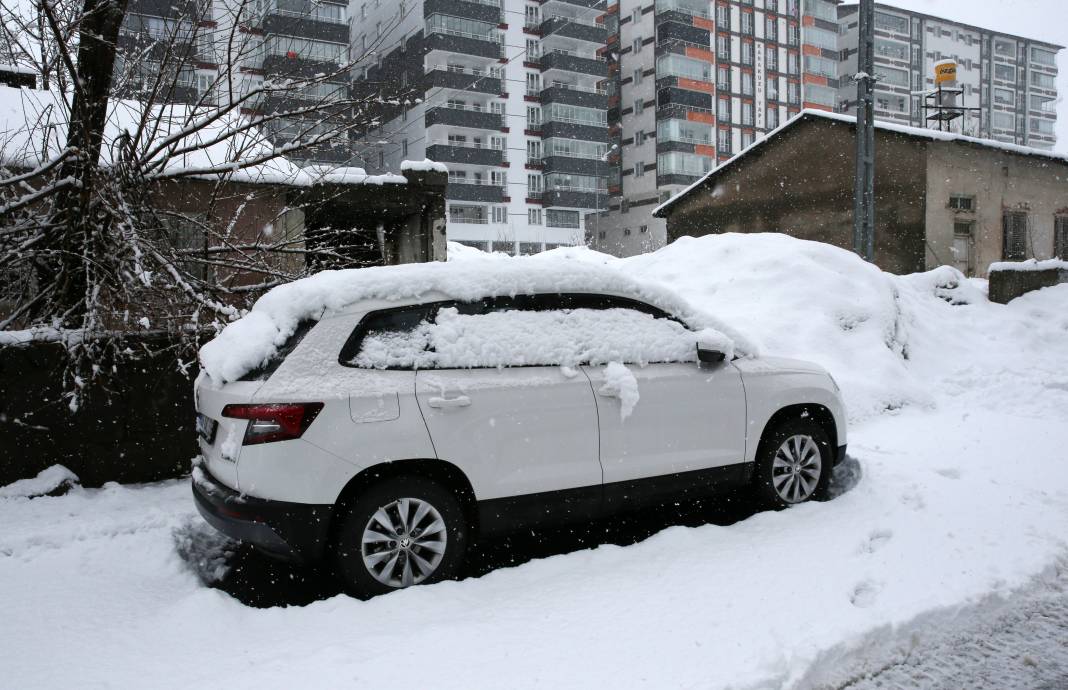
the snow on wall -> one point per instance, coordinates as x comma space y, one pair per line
1029, 265
425, 165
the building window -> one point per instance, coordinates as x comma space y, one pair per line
1005, 48
1005, 121
747, 114
639, 169
500, 214
639, 137
747, 83
1004, 96
1014, 233
771, 28
637, 45
723, 140
534, 216
723, 17
747, 139
773, 89
1060, 237
724, 110
1043, 81
791, 63
772, 117
892, 22
637, 76
534, 186
791, 34
1042, 126
533, 117
771, 58
1044, 57
747, 22
747, 53
404, 148
639, 106
961, 202
1004, 72
636, 15
723, 47
723, 78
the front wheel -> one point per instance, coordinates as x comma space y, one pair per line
400, 532
793, 464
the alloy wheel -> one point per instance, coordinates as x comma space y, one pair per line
795, 470
404, 542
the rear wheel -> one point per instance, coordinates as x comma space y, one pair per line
400, 532
793, 464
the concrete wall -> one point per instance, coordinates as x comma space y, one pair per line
801, 183
999, 181
1008, 285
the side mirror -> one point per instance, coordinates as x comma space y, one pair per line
710, 356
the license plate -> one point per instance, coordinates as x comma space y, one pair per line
206, 427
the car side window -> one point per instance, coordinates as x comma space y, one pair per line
524, 330
390, 339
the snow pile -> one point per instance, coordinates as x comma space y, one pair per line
53, 480
799, 299
248, 342
536, 338
621, 383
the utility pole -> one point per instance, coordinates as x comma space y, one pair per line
864, 183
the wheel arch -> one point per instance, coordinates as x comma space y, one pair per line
441, 471
817, 412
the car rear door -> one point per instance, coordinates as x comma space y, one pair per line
514, 430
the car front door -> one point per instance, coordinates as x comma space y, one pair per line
662, 422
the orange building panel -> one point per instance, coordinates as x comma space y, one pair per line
695, 85
808, 20
702, 23
706, 118
815, 79
704, 150
698, 54
810, 50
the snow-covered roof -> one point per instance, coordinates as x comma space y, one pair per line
253, 339
181, 138
810, 114
17, 69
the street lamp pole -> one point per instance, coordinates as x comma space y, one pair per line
864, 181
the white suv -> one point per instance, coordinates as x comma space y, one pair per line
382, 433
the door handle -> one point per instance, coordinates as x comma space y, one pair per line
458, 401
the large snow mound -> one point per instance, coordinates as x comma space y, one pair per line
250, 341
800, 299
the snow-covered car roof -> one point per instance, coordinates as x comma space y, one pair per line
253, 339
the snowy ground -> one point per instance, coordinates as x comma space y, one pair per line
943, 564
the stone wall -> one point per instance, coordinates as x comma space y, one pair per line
1006, 285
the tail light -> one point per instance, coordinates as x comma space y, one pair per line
274, 421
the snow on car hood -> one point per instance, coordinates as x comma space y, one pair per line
250, 341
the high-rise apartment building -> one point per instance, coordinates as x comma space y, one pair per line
1011, 79
216, 50
698, 82
510, 97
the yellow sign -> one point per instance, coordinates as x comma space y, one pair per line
945, 71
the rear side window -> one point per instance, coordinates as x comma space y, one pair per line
538, 330
264, 371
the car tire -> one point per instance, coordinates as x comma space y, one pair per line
376, 551
793, 464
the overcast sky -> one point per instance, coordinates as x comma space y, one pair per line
1043, 20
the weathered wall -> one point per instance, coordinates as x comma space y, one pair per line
999, 181
1008, 285
142, 432
801, 183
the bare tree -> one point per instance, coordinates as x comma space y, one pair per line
93, 244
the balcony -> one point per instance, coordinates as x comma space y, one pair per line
573, 130
574, 95
479, 10
574, 197
466, 191
568, 62
288, 23
588, 4
464, 43
578, 29
463, 117
579, 166
464, 153
463, 80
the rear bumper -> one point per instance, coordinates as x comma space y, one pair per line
289, 531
